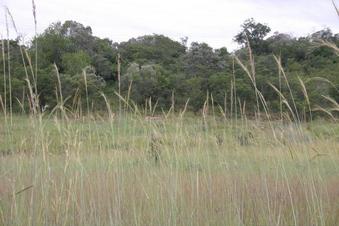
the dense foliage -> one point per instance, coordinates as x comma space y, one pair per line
167, 71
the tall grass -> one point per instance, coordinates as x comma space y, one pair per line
137, 168
93, 174
4, 78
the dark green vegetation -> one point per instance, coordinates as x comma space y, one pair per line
168, 72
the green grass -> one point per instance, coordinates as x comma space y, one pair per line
178, 171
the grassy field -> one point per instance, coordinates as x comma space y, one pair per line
182, 169
175, 171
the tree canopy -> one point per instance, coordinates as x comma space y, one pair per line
159, 68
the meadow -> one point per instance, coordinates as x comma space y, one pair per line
273, 163
182, 169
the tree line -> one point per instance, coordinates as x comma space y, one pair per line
167, 72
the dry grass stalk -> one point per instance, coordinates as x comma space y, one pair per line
185, 109
108, 106
86, 90
280, 67
335, 6
9, 68
4, 77
252, 78
36, 47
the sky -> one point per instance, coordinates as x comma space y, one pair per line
215, 22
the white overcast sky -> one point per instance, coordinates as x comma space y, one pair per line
215, 22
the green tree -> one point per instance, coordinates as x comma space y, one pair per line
74, 63
254, 33
148, 81
152, 49
201, 60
